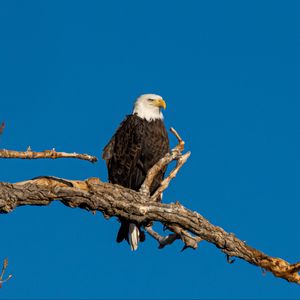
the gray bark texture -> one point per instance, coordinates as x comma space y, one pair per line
137, 206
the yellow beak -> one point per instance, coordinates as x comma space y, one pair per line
160, 103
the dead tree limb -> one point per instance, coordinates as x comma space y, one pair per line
116, 201
5, 264
162, 240
29, 154
175, 154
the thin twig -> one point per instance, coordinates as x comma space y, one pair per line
189, 240
175, 154
162, 240
181, 143
5, 265
145, 188
29, 154
165, 183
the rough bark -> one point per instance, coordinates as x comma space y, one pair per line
113, 200
29, 154
117, 201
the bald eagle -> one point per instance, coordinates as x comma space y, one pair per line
140, 141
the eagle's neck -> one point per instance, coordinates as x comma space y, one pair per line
148, 113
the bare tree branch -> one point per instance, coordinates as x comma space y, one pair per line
29, 154
5, 265
175, 154
165, 183
162, 240
138, 207
114, 200
188, 240
163, 162
181, 143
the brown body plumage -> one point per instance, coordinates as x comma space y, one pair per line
136, 146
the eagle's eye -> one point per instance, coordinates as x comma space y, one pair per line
151, 100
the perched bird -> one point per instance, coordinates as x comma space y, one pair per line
140, 141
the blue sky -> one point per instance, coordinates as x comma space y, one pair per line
229, 72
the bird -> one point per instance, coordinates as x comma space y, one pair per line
140, 141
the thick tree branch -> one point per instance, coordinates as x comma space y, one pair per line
29, 154
114, 200
138, 207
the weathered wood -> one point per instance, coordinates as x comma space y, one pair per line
116, 201
113, 200
53, 154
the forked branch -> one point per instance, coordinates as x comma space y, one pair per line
5, 265
175, 154
117, 201
162, 240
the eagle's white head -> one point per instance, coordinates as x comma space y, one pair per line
149, 107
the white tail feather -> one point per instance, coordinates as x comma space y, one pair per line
134, 236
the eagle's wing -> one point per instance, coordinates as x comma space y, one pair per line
109, 148
122, 155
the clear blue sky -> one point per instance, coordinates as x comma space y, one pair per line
229, 71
